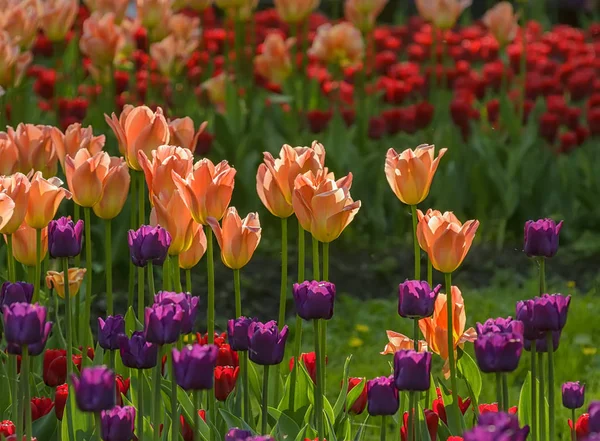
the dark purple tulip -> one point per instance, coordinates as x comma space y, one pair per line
496, 426
525, 315
187, 302
236, 434
148, 245
501, 325
237, 333
194, 366
17, 292
25, 324
110, 330
541, 238
573, 394
498, 352
136, 352
163, 323
267, 343
550, 312
412, 370
594, 412
416, 299
314, 300
64, 237
95, 389
382, 396
34, 349
118, 423
590, 437
541, 344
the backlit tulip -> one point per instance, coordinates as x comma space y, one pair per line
21, 20
190, 258
85, 175
397, 342
435, 328
158, 170
502, 22
341, 44
36, 149
207, 189
187, 302
116, 7
171, 54
382, 396
56, 281
7, 209
101, 39
443, 14
45, 195
215, 90
225, 379
180, 227
9, 155
24, 244
57, 17
573, 394
498, 351
295, 11
115, 188
75, 138
412, 370
183, 133
314, 300
13, 62
274, 62
24, 323
237, 238
445, 239
416, 299
163, 323
148, 245
64, 237
138, 129
267, 343
16, 187
541, 237
94, 389
363, 13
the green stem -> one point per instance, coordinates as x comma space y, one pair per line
319, 383
499, 391
188, 280
38, 265
141, 198
284, 275
141, 292
449, 321
247, 411
541, 395
26, 394
132, 225
416, 334
175, 273
413, 209
14, 386
573, 433
505, 391
98, 425
76, 217
301, 251
19, 402
294, 373
197, 407
10, 259
140, 407
108, 260
88, 284
174, 402
69, 333
551, 424
156, 399
533, 422
315, 262
411, 405
211, 286
429, 272
383, 429
166, 275
326, 261
111, 360
151, 288
238, 293
542, 265
265, 400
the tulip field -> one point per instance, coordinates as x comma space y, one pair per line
347, 220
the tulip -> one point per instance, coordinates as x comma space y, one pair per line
44, 198
24, 245
64, 237
497, 425
18, 292
432, 420
594, 420
267, 343
309, 359
194, 366
94, 389
541, 238
180, 227
25, 324
295, 11
397, 342
573, 394
158, 171
190, 258
502, 22
236, 434
153, 12
115, 188
7, 209
14, 62
499, 325
225, 379
9, 156
56, 281
187, 302
314, 300
136, 352
117, 7
7, 428
237, 333
412, 370
438, 407
109, 331
550, 312
341, 44
541, 344
238, 238
163, 323
215, 90
16, 188
172, 54
118, 423
55, 367
148, 245
40, 406
20, 21
138, 129
57, 18
227, 356
76, 138
101, 39
36, 149
443, 14
85, 175
416, 299
60, 400
274, 62
182, 134
485, 408
382, 396
360, 403
498, 352
363, 13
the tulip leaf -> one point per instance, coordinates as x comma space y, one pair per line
431, 394
44, 427
361, 430
328, 410
443, 431
330, 435
525, 401
255, 383
81, 422
453, 413
130, 321
302, 434
344, 428
99, 356
338, 407
301, 401
286, 427
233, 421
470, 373
5, 398
148, 430
355, 392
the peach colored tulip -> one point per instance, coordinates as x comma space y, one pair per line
7, 209
139, 128
323, 205
101, 40
158, 172
274, 63
363, 13
207, 189
398, 342
57, 17
270, 193
85, 174
183, 133
411, 172
215, 89
153, 13
115, 189
74, 139
171, 54
186, 28
190, 258
341, 44
15, 187
116, 7
445, 240
45, 195
9, 155
443, 14
20, 20
24, 244
13, 62
56, 281
237, 238
295, 11
502, 22
36, 149
435, 328
172, 214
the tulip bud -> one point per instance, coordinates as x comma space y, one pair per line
541, 238
118, 423
148, 245
573, 394
314, 300
274, 63
64, 237
267, 343
194, 366
94, 389
594, 412
60, 400
416, 299
109, 331
24, 323
225, 379
55, 367
18, 292
188, 304
237, 333
498, 352
550, 312
45, 197
115, 188
16, 189
412, 370
180, 227
136, 352
163, 323
360, 403
341, 44
24, 245
382, 396
190, 258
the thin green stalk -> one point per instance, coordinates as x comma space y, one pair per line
324, 322
284, 276
166, 275
132, 225
505, 391
411, 405
319, 382
175, 273
212, 406
211, 286
156, 399
108, 267
326, 261
246, 411
141, 292
188, 280
542, 265
19, 419
533, 422
383, 428
429, 273
499, 391
551, 424
174, 402
450, 304
25, 364
301, 253
140, 405
14, 386
315, 262
141, 198
69, 333
151, 288
416, 334
88, 284
38, 265
573, 433
238, 293
298, 333
413, 209
10, 259
541, 396
111, 360
265, 400
197, 407
98, 425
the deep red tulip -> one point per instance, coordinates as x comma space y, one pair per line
122, 388
44, 85
593, 120
40, 407
60, 399
431, 418
424, 114
393, 119
310, 363
437, 405
42, 46
121, 81
568, 142
361, 402
582, 428
7, 428
572, 117
493, 407
582, 133
349, 115
581, 84
377, 127
227, 356
225, 379
218, 340
549, 123
318, 120
55, 367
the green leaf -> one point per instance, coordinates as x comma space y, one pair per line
525, 401
286, 427
98, 356
472, 376
5, 398
82, 423
338, 407
302, 434
328, 410
355, 393
130, 321
301, 401
443, 431
361, 430
453, 413
330, 435
44, 427
233, 421
344, 428
255, 384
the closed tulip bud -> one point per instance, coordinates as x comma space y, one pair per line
183, 134
194, 366
225, 379
267, 343
24, 245
60, 400
227, 356
75, 138
14, 62
314, 300
363, 13
550, 312
236, 434
309, 359
190, 258
64, 237
594, 420
416, 299
158, 171
341, 44
360, 403
498, 352
382, 396
541, 238
506, 325
180, 227
274, 62
57, 18
152, 12
497, 425
573, 394
18, 292
118, 423
115, 188
270, 193
55, 367
7, 428
101, 39
237, 333
412, 370
187, 302
411, 172
502, 22
9, 156
56, 281
85, 175
295, 11
443, 14
163, 323
136, 352
24, 323
525, 315
215, 90
36, 149
109, 331
16, 187
34, 349
148, 245
171, 54
20, 21
94, 389
45, 197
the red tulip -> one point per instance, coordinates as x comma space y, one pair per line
361, 402
549, 126
568, 142
318, 120
227, 356
582, 428
225, 379
7, 428
438, 405
55, 367
60, 399
122, 388
377, 127
187, 433
431, 418
493, 407
40, 407
310, 363
593, 120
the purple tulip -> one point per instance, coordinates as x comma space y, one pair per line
163, 323
594, 412
314, 300
541, 238
118, 423
267, 343
34, 349
260, 438
550, 312
110, 330
194, 366
573, 394
541, 344
25, 324
187, 302
498, 352
17, 292
416, 299
412, 370
590, 437
382, 396
148, 245
497, 426
95, 389
237, 333
501, 325
525, 315
64, 237
136, 352
236, 434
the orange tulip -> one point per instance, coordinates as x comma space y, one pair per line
56, 281
323, 205
116, 7
275, 63
398, 342
270, 194
363, 13
158, 172
7, 209
442, 13
85, 174
36, 149
186, 28
295, 11
58, 17
13, 62
445, 240
502, 22
138, 128
74, 139
102, 39
171, 54
341, 44
20, 20
9, 155
411, 172
24, 244
45, 195
435, 328
16, 187
238, 238
207, 189
171, 213
190, 258
115, 188
183, 134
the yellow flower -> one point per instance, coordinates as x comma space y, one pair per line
355, 342
362, 328
56, 281
589, 350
